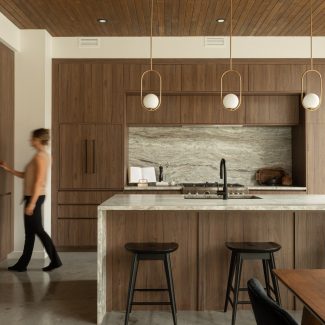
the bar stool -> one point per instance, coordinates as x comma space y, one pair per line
151, 251
241, 251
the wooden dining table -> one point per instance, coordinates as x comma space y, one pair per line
309, 287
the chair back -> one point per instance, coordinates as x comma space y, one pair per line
266, 311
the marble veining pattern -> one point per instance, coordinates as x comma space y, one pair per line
194, 153
173, 202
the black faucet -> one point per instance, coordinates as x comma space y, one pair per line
223, 175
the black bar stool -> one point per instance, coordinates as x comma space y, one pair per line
151, 251
250, 251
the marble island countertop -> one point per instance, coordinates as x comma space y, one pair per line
250, 187
153, 188
177, 202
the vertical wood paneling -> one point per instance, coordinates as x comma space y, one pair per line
215, 228
135, 226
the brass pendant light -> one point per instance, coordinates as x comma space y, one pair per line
311, 101
231, 101
151, 102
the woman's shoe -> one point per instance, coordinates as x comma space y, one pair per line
17, 268
51, 267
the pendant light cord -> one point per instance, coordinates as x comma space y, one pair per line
151, 19
230, 34
311, 36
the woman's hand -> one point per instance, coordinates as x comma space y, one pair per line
29, 210
4, 165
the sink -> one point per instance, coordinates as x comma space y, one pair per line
219, 197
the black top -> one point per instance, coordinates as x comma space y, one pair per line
151, 248
253, 247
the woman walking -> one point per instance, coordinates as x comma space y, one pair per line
34, 195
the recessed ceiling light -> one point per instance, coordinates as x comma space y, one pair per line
102, 20
220, 20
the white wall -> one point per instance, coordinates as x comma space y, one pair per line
9, 33
32, 110
190, 47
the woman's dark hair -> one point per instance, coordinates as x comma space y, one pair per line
43, 135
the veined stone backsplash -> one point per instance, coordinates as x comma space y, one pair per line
193, 153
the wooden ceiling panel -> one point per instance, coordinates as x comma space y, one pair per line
172, 17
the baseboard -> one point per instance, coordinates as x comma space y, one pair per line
37, 255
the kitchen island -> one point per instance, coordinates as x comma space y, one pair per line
201, 227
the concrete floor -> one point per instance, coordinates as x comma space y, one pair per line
68, 296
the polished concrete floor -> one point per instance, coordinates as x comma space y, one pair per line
68, 296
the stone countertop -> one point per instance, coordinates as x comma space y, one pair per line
177, 202
277, 188
153, 188
254, 187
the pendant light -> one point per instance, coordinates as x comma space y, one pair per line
231, 101
151, 102
311, 101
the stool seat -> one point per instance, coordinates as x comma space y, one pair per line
253, 247
151, 248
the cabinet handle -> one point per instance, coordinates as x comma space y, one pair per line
86, 156
94, 157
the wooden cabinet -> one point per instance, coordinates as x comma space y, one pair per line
6, 115
206, 109
167, 113
207, 76
91, 156
76, 222
6, 148
283, 78
170, 74
6, 226
272, 110
90, 92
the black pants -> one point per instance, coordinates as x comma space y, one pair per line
33, 226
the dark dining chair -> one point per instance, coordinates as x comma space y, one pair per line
266, 310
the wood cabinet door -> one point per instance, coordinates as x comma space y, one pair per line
90, 92
167, 113
6, 115
91, 156
170, 75
207, 77
205, 109
6, 230
272, 110
275, 77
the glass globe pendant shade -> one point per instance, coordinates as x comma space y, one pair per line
310, 101
151, 101
231, 102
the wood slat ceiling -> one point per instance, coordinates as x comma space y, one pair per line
172, 17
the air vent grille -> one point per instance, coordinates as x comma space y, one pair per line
88, 42
212, 41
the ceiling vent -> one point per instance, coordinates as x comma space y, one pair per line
89, 42
212, 41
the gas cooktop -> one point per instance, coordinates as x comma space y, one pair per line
209, 184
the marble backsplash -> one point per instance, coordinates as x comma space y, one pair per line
193, 153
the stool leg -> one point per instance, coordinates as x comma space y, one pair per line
134, 269
230, 279
239, 265
170, 284
266, 277
135, 277
274, 280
